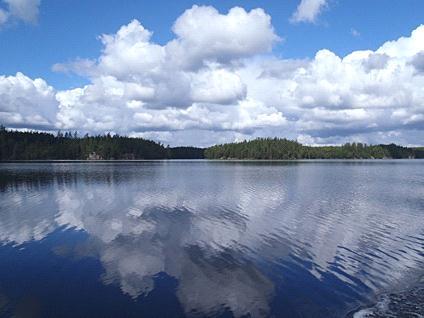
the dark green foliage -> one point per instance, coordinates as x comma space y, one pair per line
419, 152
283, 149
185, 153
15, 145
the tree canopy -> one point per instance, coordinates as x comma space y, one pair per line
284, 149
18, 145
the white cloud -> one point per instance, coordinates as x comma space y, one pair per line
418, 62
188, 92
27, 103
375, 61
217, 86
183, 84
25, 10
82, 67
129, 52
203, 34
308, 10
405, 46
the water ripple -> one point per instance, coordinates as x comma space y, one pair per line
237, 238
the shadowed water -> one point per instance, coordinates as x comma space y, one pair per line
205, 238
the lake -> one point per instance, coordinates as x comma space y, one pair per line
209, 238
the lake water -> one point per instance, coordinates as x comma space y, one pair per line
207, 238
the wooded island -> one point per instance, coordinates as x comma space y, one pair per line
32, 145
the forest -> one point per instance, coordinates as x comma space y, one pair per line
32, 145
283, 149
16, 145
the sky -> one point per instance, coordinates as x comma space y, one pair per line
207, 72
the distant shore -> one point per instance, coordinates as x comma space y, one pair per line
210, 160
18, 145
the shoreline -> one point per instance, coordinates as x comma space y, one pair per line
214, 160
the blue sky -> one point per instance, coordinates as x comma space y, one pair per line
69, 29
65, 31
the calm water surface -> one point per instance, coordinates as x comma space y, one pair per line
218, 239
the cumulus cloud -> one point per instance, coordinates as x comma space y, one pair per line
364, 91
418, 62
27, 103
206, 85
308, 10
205, 35
375, 61
24, 10
184, 84
217, 86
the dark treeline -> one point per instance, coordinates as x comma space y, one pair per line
275, 148
15, 145
186, 153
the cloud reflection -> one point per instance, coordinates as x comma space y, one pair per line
219, 233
